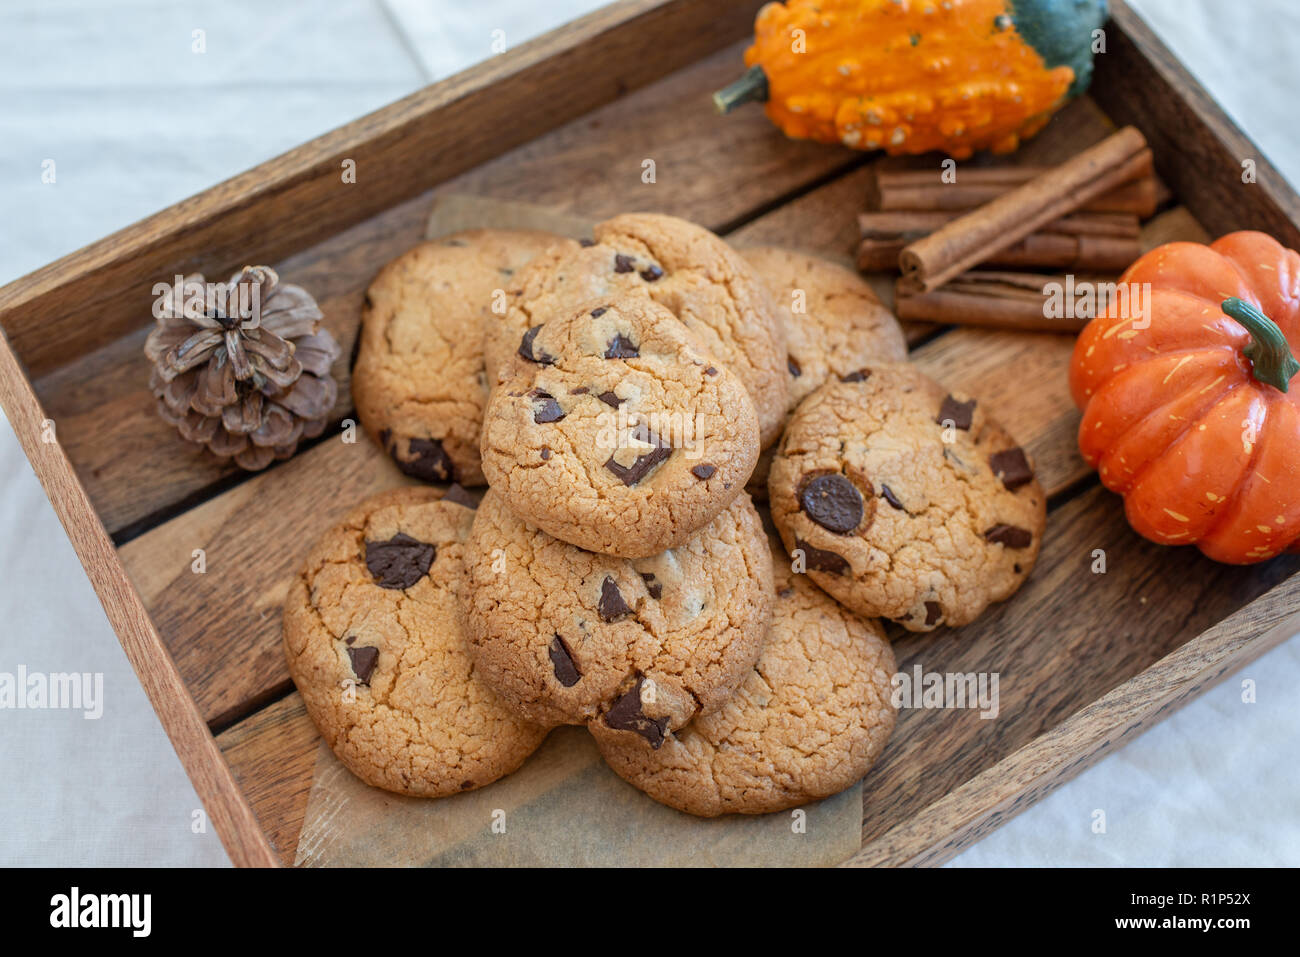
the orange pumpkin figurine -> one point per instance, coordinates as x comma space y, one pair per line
1191, 405
908, 76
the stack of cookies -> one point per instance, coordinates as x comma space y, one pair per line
626, 399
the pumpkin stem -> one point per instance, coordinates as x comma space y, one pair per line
1268, 352
751, 87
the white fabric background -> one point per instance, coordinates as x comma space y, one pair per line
136, 121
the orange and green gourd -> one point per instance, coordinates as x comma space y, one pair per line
910, 76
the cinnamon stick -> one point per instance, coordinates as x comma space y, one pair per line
998, 300
1082, 242
911, 189
951, 250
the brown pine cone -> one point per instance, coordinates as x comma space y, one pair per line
243, 368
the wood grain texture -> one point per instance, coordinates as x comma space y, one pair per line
963, 815
288, 203
1069, 636
135, 466
225, 804
273, 755
1199, 151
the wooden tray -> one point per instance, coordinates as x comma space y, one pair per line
1086, 660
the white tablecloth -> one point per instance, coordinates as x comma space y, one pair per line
135, 119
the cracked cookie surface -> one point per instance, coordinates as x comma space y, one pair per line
614, 431
637, 646
834, 322
681, 266
373, 641
904, 501
812, 716
419, 383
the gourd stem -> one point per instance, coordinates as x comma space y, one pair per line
751, 87
1269, 352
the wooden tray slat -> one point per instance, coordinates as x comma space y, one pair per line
272, 755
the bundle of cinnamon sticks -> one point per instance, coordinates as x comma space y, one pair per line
945, 232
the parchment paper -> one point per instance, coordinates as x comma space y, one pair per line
564, 807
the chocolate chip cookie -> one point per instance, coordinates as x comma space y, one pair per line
810, 719
683, 267
373, 640
638, 647
904, 501
614, 431
835, 324
418, 383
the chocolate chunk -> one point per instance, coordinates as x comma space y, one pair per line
611, 607
399, 562
1012, 468
643, 464
710, 371
363, 661
703, 472
599, 311
528, 352
610, 399
651, 273
888, 494
566, 672
795, 369
1010, 535
626, 715
460, 496
622, 263
545, 408
655, 588
960, 414
350, 639
952, 457
580, 390
621, 347
862, 375
586, 242
427, 460
833, 502
933, 612
785, 593
545, 453
820, 560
